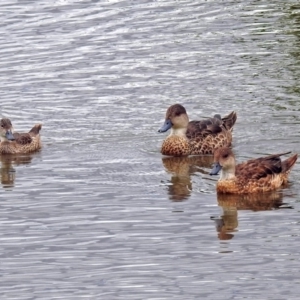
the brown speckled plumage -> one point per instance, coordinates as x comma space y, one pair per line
175, 146
256, 175
196, 137
22, 143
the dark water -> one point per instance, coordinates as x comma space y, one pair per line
98, 213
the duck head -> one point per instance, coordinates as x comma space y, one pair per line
224, 161
6, 130
176, 118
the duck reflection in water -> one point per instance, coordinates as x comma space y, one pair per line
181, 169
7, 172
227, 224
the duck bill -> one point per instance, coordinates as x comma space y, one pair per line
9, 135
216, 169
167, 125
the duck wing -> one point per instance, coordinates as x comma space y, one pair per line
22, 138
261, 167
204, 127
211, 126
229, 120
26, 138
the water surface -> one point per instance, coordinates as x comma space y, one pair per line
99, 213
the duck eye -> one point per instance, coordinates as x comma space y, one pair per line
177, 114
225, 155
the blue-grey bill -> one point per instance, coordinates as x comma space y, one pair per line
216, 168
167, 125
9, 135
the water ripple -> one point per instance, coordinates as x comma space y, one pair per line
98, 213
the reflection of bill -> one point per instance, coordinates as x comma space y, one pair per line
7, 172
181, 168
226, 224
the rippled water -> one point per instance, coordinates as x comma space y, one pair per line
98, 213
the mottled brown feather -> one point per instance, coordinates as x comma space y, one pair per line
201, 137
35, 130
23, 138
256, 175
23, 143
211, 126
204, 128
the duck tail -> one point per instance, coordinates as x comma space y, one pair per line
229, 120
288, 163
36, 129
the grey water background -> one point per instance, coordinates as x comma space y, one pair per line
98, 213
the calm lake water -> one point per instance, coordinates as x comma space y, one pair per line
99, 213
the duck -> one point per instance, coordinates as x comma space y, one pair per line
258, 175
18, 143
195, 137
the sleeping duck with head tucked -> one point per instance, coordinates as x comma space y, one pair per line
16, 143
195, 137
253, 176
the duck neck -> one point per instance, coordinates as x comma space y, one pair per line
227, 174
178, 132
3, 139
